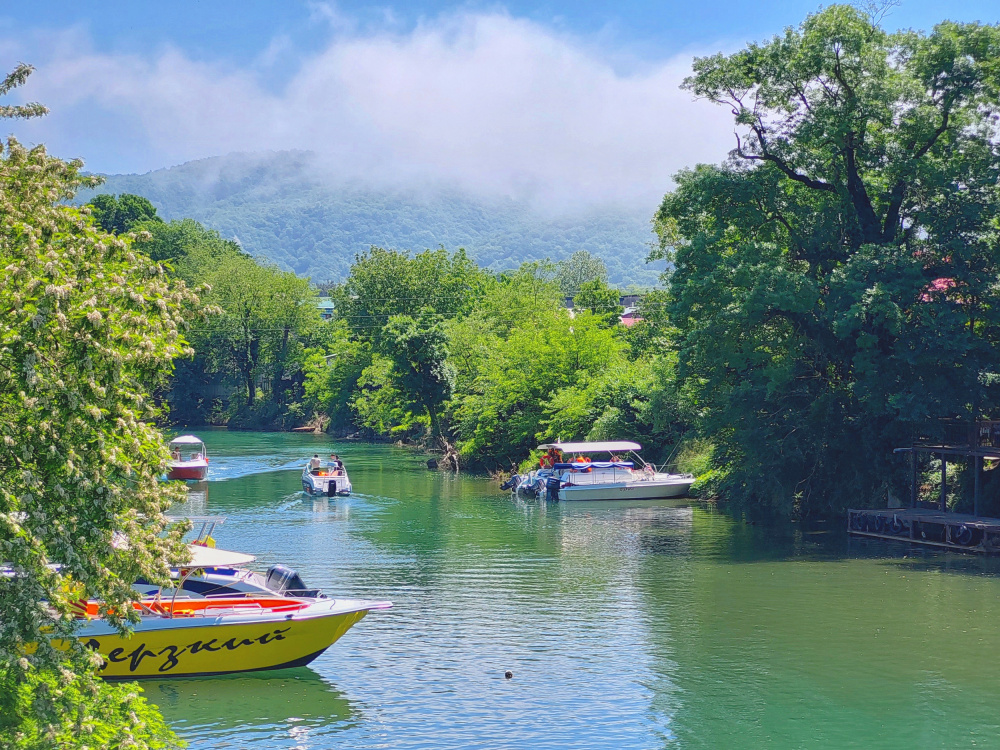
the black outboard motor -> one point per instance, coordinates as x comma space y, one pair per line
286, 581
552, 489
331, 488
511, 484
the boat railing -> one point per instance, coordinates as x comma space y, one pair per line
203, 526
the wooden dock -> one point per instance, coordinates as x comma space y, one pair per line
935, 528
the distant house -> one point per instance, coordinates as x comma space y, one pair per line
325, 306
629, 300
630, 317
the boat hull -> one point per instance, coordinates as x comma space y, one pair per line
185, 647
194, 471
326, 486
627, 491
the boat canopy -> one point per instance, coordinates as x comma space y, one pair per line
186, 440
211, 557
587, 465
609, 447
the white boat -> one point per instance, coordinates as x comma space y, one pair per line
188, 459
327, 479
623, 476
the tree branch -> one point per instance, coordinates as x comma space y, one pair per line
765, 155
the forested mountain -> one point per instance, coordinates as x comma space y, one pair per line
281, 206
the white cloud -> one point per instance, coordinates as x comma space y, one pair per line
493, 103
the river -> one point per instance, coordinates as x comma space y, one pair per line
642, 625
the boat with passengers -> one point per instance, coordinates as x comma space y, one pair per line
325, 478
608, 470
188, 459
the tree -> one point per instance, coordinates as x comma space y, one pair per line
601, 300
384, 283
835, 282
193, 250
121, 214
88, 327
419, 349
581, 267
500, 418
266, 318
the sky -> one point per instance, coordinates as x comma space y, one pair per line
568, 103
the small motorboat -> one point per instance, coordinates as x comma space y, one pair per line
219, 619
188, 459
327, 479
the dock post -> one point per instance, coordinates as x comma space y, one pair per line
913, 479
976, 464
944, 483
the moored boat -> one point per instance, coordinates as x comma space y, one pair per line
329, 478
221, 618
188, 459
198, 637
582, 478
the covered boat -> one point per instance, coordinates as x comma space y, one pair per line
329, 478
188, 459
622, 475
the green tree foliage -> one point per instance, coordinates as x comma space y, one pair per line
601, 300
579, 269
123, 213
89, 326
835, 285
260, 339
331, 379
419, 349
19, 111
500, 419
493, 363
383, 283
191, 249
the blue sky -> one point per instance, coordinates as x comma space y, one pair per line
568, 101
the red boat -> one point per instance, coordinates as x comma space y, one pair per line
188, 459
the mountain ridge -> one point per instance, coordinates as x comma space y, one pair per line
281, 206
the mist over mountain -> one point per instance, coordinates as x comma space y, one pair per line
282, 206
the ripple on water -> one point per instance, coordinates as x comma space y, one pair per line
626, 626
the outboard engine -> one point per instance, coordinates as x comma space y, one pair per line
331, 488
511, 484
552, 488
286, 581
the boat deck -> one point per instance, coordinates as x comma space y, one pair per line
928, 526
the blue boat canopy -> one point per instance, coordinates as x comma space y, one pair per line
584, 465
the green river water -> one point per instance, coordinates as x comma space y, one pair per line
642, 625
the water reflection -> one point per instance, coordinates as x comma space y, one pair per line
197, 499
295, 707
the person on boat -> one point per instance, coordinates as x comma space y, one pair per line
315, 462
336, 464
175, 453
551, 458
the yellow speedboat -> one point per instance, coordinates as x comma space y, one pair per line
188, 638
256, 627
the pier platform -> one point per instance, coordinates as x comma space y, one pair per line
935, 528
